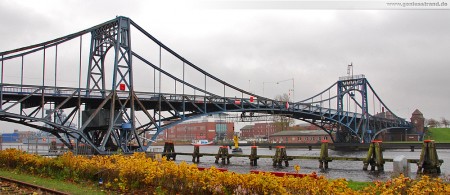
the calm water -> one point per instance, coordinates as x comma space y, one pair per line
352, 170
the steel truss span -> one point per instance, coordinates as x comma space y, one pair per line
112, 112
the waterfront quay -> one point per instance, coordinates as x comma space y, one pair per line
345, 146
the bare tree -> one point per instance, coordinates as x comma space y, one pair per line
445, 122
433, 123
282, 122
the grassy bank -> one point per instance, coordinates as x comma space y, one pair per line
71, 188
440, 134
90, 188
358, 185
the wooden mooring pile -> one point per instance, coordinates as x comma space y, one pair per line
427, 164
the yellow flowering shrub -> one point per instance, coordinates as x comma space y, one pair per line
138, 173
405, 185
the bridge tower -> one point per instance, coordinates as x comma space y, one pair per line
354, 131
106, 114
115, 123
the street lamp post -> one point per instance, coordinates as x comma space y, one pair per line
293, 94
278, 82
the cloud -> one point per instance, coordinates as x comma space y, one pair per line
403, 53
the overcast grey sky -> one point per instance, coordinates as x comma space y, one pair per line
403, 52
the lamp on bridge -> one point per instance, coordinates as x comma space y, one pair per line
278, 82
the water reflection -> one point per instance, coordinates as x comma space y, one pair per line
351, 170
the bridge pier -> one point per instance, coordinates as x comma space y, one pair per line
169, 151
374, 157
323, 160
224, 155
429, 162
254, 156
196, 154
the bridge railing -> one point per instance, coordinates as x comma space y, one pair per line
257, 104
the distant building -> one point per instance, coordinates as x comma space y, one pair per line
245, 131
215, 130
258, 131
418, 121
24, 135
18, 136
302, 136
414, 134
10, 137
264, 131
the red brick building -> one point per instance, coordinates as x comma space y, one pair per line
414, 134
200, 130
258, 131
302, 136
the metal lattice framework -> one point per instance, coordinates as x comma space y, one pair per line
109, 119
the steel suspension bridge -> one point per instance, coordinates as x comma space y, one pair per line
152, 89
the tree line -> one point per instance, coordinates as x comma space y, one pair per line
437, 123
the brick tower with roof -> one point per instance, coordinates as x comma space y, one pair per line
418, 121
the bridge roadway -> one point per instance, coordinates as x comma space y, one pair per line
31, 96
192, 105
108, 116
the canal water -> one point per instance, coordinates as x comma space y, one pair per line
351, 170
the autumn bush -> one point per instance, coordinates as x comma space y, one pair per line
138, 173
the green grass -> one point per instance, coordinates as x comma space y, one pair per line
358, 185
59, 185
440, 134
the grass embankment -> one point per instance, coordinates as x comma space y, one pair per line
55, 184
72, 188
439, 134
358, 185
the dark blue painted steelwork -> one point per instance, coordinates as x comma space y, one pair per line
108, 118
